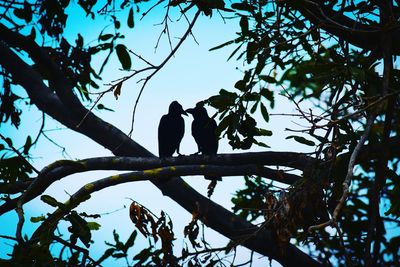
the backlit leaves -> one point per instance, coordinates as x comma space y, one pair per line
123, 56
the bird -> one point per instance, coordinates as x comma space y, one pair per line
204, 133
171, 130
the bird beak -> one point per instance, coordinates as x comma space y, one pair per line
189, 110
184, 112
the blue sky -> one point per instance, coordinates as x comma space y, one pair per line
193, 74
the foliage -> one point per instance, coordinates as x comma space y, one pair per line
336, 57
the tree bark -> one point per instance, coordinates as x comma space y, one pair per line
67, 112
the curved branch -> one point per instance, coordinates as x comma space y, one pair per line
63, 168
245, 233
164, 174
334, 22
115, 140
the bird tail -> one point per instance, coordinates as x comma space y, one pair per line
213, 178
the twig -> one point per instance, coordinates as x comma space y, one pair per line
349, 175
19, 154
159, 67
84, 251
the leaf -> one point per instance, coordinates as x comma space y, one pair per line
130, 21
38, 219
131, 240
80, 228
241, 85
106, 254
261, 144
244, 25
123, 56
105, 37
264, 112
143, 255
101, 106
243, 6
301, 140
117, 90
27, 145
28, 12
263, 132
50, 200
93, 225
221, 45
267, 79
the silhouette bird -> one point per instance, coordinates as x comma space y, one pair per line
171, 130
204, 133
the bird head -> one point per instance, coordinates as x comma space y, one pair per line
198, 112
176, 108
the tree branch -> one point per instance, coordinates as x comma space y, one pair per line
245, 234
349, 175
334, 22
112, 138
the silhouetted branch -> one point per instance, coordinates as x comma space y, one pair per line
349, 30
63, 168
349, 175
70, 113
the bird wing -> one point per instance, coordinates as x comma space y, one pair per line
170, 134
164, 144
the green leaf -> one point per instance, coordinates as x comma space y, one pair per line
243, 6
131, 241
261, 144
264, 112
101, 106
301, 140
28, 144
123, 56
106, 37
117, 24
93, 225
38, 219
106, 255
251, 51
267, 79
28, 12
264, 132
244, 25
80, 228
221, 45
241, 85
50, 200
130, 21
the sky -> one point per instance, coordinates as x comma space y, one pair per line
193, 74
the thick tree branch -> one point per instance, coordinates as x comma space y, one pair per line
162, 174
61, 169
243, 235
334, 22
112, 138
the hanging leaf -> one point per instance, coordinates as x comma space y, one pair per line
244, 25
80, 228
37, 219
27, 145
130, 21
102, 107
105, 37
93, 225
301, 140
117, 90
50, 200
123, 56
264, 112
